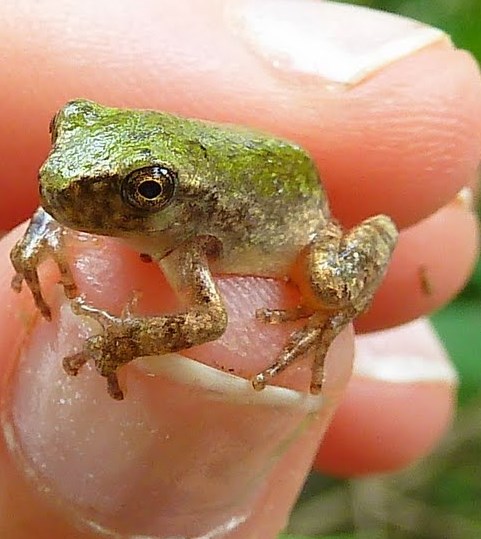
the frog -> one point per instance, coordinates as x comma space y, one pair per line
200, 199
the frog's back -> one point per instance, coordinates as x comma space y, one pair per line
270, 198
242, 159
271, 166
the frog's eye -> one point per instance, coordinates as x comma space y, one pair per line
149, 188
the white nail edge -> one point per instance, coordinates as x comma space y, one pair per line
218, 532
340, 69
225, 386
375, 360
391, 52
405, 369
221, 385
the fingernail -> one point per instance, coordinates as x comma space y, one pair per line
337, 42
186, 454
406, 354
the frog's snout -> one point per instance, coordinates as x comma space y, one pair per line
64, 204
54, 201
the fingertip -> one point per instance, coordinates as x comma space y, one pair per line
401, 141
91, 454
381, 442
431, 263
397, 407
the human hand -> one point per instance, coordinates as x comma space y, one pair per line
402, 138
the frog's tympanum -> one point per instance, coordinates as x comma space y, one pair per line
200, 199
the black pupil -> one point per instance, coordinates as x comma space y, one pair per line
150, 189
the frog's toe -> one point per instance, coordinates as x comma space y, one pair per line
80, 307
40, 303
259, 381
43, 307
316, 387
28, 274
66, 277
113, 387
17, 282
72, 364
70, 290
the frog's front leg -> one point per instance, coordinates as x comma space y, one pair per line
337, 274
43, 238
128, 337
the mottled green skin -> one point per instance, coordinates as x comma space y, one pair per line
260, 196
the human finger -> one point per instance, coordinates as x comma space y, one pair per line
397, 406
389, 109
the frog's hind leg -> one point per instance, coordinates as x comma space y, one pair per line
299, 343
337, 275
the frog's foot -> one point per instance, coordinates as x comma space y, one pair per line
44, 238
114, 347
316, 336
339, 273
73, 363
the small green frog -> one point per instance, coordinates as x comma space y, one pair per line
200, 199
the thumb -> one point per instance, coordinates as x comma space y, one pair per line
191, 452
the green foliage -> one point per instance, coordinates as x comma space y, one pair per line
342, 536
459, 325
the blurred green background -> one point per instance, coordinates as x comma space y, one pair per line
440, 497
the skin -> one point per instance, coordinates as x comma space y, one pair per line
198, 198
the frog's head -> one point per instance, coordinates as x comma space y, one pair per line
121, 173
